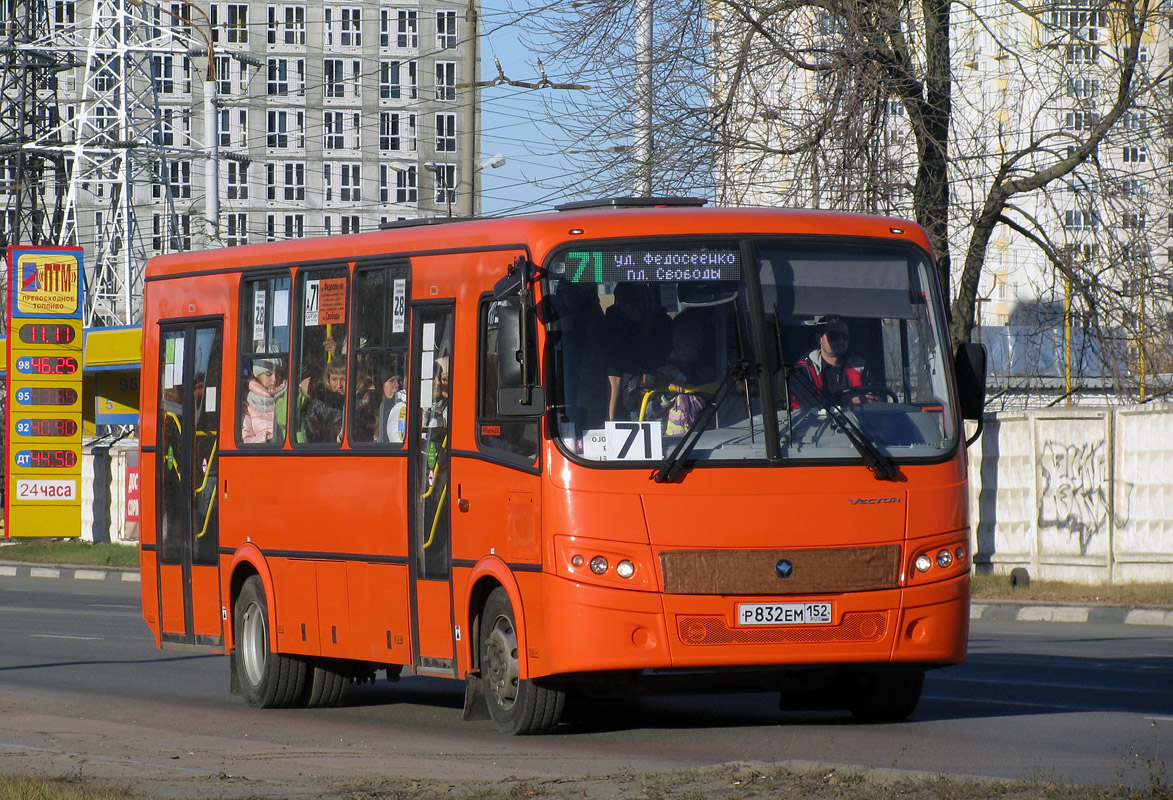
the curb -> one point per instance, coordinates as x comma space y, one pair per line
1111, 615
119, 574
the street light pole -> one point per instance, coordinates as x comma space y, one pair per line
643, 100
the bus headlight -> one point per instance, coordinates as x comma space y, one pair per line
625, 569
923, 563
944, 559
599, 565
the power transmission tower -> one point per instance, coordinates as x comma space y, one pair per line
118, 153
32, 166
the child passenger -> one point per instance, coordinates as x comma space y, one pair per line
266, 388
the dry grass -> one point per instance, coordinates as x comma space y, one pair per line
998, 587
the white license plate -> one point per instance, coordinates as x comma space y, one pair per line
783, 613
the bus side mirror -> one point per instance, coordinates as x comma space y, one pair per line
517, 392
970, 368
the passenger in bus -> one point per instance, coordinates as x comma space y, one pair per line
392, 409
266, 390
686, 380
832, 367
638, 340
323, 415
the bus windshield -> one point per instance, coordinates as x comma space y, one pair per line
764, 350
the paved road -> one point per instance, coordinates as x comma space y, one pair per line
82, 688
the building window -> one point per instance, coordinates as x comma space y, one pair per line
407, 28
351, 27
445, 30
1079, 220
343, 78
1135, 155
237, 183
1082, 53
1083, 88
445, 133
1133, 222
1080, 120
286, 75
237, 229
276, 130
287, 25
350, 186
332, 130
389, 131
350, 223
285, 180
397, 79
445, 80
406, 186
237, 23
294, 226
445, 175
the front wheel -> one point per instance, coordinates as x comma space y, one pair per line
517, 706
267, 679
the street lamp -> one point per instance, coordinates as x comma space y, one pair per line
440, 171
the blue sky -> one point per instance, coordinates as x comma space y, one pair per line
513, 124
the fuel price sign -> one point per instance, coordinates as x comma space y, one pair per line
45, 336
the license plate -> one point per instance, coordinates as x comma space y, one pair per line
783, 613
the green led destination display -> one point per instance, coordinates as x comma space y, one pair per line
661, 265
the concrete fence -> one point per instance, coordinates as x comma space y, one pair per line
1072, 494
1083, 495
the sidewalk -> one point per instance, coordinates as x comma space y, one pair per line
984, 609
22, 569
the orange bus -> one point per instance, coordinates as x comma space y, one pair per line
602, 449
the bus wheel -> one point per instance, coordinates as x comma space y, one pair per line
267, 679
326, 682
517, 706
887, 695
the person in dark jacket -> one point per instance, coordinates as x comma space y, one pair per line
324, 411
832, 367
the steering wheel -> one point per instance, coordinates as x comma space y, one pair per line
866, 389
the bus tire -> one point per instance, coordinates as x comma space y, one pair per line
326, 682
517, 706
887, 695
267, 679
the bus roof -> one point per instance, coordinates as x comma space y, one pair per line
540, 233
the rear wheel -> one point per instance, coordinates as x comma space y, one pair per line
267, 679
517, 706
326, 682
887, 695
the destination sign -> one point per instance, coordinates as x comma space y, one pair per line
668, 265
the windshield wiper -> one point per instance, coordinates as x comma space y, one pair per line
675, 460
883, 467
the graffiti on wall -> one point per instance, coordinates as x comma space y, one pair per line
1077, 491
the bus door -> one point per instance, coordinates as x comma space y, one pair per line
188, 449
430, 496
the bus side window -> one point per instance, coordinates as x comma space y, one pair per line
378, 408
264, 361
320, 408
509, 437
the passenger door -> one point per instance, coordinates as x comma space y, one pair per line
429, 489
187, 508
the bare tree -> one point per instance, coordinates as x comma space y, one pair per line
1023, 133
